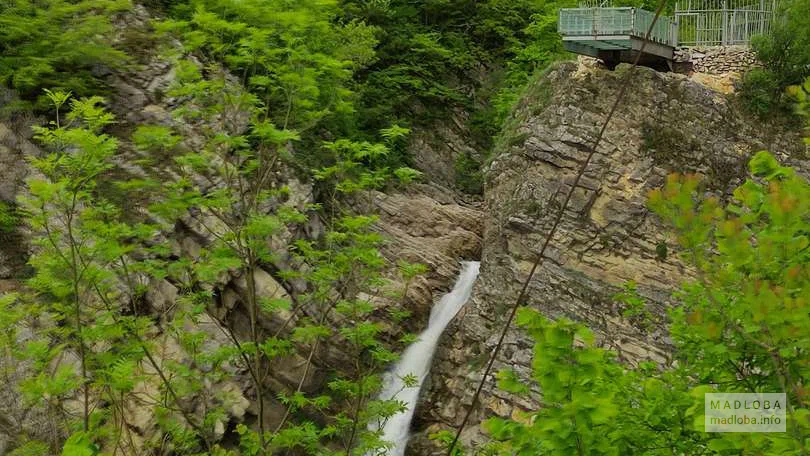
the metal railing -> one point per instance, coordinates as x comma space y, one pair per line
622, 21
722, 22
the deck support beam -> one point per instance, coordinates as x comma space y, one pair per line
614, 49
617, 35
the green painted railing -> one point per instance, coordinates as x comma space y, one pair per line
614, 22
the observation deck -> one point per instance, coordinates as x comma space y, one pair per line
616, 35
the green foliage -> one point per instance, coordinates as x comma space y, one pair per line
304, 66
295, 65
350, 256
305, 89
540, 47
469, 175
234, 214
579, 385
410, 271
785, 54
79, 444
432, 55
88, 348
635, 307
56, 43
291, 55
761, 91
69, 263
248, 216
741, 327
801, 93
155, 138
661, 251
744, 311
34, 448
8, 217
445, 439
354, 167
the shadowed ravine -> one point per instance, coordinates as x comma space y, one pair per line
417, 357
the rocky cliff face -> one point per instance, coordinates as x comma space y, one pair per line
607, 237
668, 122
15, 145
429, 224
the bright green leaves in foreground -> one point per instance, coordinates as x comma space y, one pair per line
744, 322
592, 405
742, 326
802, 95
359, 166
80, 354
8, 217
251, 218
578, 384
93, 348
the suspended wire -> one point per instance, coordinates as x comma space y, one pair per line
540, 256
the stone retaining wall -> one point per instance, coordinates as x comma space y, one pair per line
716, 60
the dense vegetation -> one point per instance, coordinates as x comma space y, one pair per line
785, 53
56, 44
469, 54
328, 90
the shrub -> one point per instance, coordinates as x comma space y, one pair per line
760, 91
56, 44
785, 54
8, 217
740, 327
469, 177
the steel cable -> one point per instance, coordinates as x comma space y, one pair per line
540, 256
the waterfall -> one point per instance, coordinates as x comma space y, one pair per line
416, 359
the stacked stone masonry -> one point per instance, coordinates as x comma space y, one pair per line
716, 60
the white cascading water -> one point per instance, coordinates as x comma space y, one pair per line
416, 359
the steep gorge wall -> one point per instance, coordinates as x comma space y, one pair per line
426, 224
607, 236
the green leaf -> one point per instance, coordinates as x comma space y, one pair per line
79, 444
510, 382
764, 164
